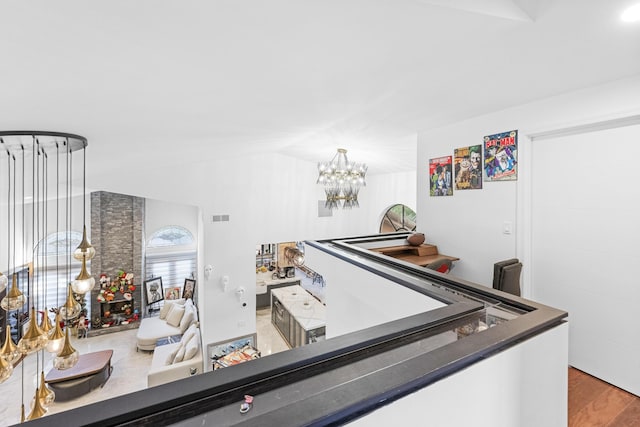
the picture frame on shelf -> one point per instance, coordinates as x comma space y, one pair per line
172, 293
153, 290
189, 289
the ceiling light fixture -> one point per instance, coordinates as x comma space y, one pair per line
342, 180
27, 155
631, 14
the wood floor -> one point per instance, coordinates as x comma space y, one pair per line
593, 402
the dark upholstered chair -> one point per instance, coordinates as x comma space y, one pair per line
507, 276
497, 270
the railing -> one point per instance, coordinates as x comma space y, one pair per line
337, 380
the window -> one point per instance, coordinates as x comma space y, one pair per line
171, 236
171, 254
49, 284
398, 218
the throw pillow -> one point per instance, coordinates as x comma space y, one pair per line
164, 311
172, 355
175, 315
188, 334
179, 355
192, 347
187, 319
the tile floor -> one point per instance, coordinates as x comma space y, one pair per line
129, 374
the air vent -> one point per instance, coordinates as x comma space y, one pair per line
220, 218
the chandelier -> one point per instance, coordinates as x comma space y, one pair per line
38, 166
342, 180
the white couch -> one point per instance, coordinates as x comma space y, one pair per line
174, 319
178, 360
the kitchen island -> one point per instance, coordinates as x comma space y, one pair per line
265, 283
297, 315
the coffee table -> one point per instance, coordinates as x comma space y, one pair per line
91, 371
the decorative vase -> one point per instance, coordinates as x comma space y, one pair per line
416, 239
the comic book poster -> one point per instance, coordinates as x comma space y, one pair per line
440, 176
467, 165
501, 156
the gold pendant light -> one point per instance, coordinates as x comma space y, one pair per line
45, 324
84, 249
6, 369
38, 411
84, 282
45, 395
34, 339
14, 299
56, 340
71, 308
68, 357
10, 352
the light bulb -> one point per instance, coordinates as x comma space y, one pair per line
34, 339
14, 299
10, 352
84, 282
68, 356
71, 308
6, 369
84, 249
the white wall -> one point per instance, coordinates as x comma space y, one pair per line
270, 198
469, 223
357, 299
524, 386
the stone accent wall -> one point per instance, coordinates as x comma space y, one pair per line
117, 233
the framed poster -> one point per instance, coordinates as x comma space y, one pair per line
153, 290
172, 293
440, 176
468, 167
501, 156
189, 289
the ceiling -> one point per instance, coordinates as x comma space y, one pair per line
172, 80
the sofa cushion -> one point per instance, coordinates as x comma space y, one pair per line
172, 355
189, 333
175, 315
151, 329
167, 306
179, 355
192, 347
188, 318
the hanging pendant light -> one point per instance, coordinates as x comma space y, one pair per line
38, 410
10, 352
56, 339
45, 324
46, 396
84, 282
6, 369
68, 357
84, 249
14, 299
34, 339
71, 308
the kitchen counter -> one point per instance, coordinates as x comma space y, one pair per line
264, 280
303, 307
